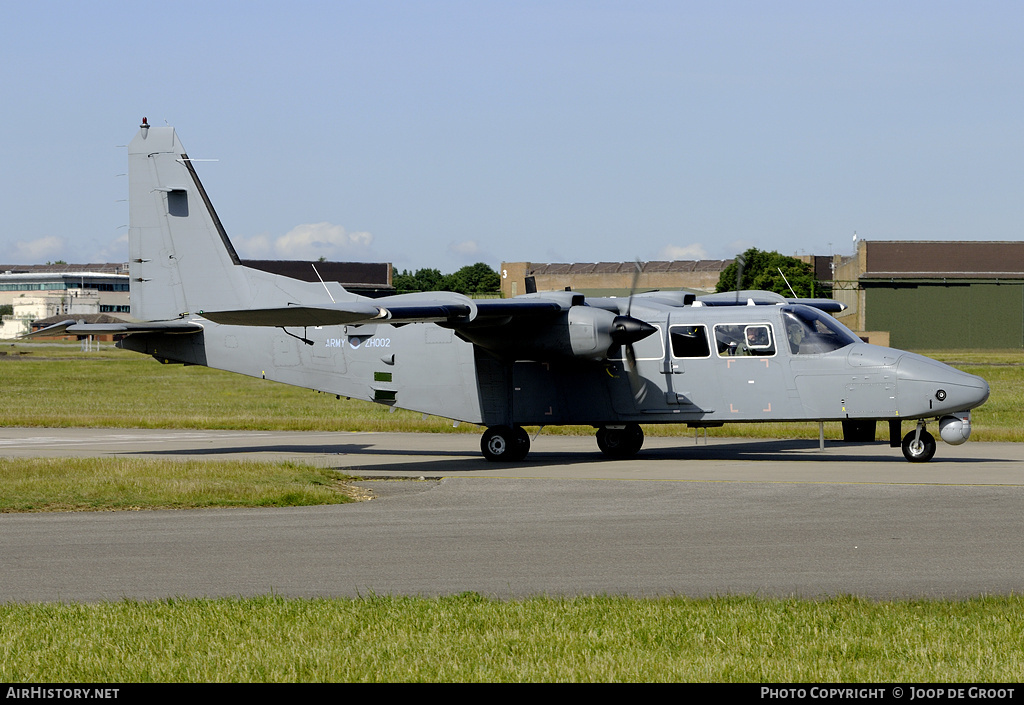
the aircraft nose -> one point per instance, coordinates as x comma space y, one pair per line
934, 386
982, 391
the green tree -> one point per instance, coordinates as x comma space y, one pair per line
761, 271
422, 280
474, 279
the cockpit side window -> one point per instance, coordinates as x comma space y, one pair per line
748, 339
810, 332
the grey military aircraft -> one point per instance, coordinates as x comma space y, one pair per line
544, 358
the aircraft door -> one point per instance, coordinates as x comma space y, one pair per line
751, 382
688, 367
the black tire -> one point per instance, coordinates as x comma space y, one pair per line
522, 443
505, 444
620, 443
920, 452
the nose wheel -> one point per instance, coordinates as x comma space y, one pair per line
505, 443
918, 446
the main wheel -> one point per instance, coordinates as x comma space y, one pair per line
620, 443
522, 446
504, 443
921, 450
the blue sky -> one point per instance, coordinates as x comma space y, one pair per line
442, 133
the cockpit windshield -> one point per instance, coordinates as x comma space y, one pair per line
812, 332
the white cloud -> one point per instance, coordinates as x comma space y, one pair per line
687, 252
308, 242
255, 247
36, 251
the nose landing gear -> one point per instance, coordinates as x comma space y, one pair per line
918, 445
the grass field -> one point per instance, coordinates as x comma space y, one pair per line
471, 638
459, 638
107, 484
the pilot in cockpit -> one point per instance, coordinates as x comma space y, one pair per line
756, 341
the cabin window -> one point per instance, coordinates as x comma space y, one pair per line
690, 341
745, 340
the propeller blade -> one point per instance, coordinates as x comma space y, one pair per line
632, 287
636, 382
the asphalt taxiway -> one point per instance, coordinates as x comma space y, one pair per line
729, 517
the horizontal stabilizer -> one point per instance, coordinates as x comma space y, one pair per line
75, 328
299, 316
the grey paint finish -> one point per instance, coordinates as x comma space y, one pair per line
539, 359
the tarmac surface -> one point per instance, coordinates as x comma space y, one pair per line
727, 517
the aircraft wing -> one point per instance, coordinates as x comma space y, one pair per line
496, 312
338, 314
75, 328
430, 307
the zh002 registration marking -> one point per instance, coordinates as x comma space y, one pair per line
355, 342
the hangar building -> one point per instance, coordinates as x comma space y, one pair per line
935, 295
610, 278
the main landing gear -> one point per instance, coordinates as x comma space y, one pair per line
620, 442
505, 443
512, 443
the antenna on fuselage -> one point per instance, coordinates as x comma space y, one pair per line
325, 285
787, 283
740, 262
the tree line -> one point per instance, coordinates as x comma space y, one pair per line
472, 279
767, 271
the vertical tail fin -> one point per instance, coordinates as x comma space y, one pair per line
181, 259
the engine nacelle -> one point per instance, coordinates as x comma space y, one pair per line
955, 429
590, 332
580, 333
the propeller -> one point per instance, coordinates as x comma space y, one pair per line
629, 330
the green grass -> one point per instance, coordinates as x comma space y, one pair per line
59, 386
470, 638
99, 484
